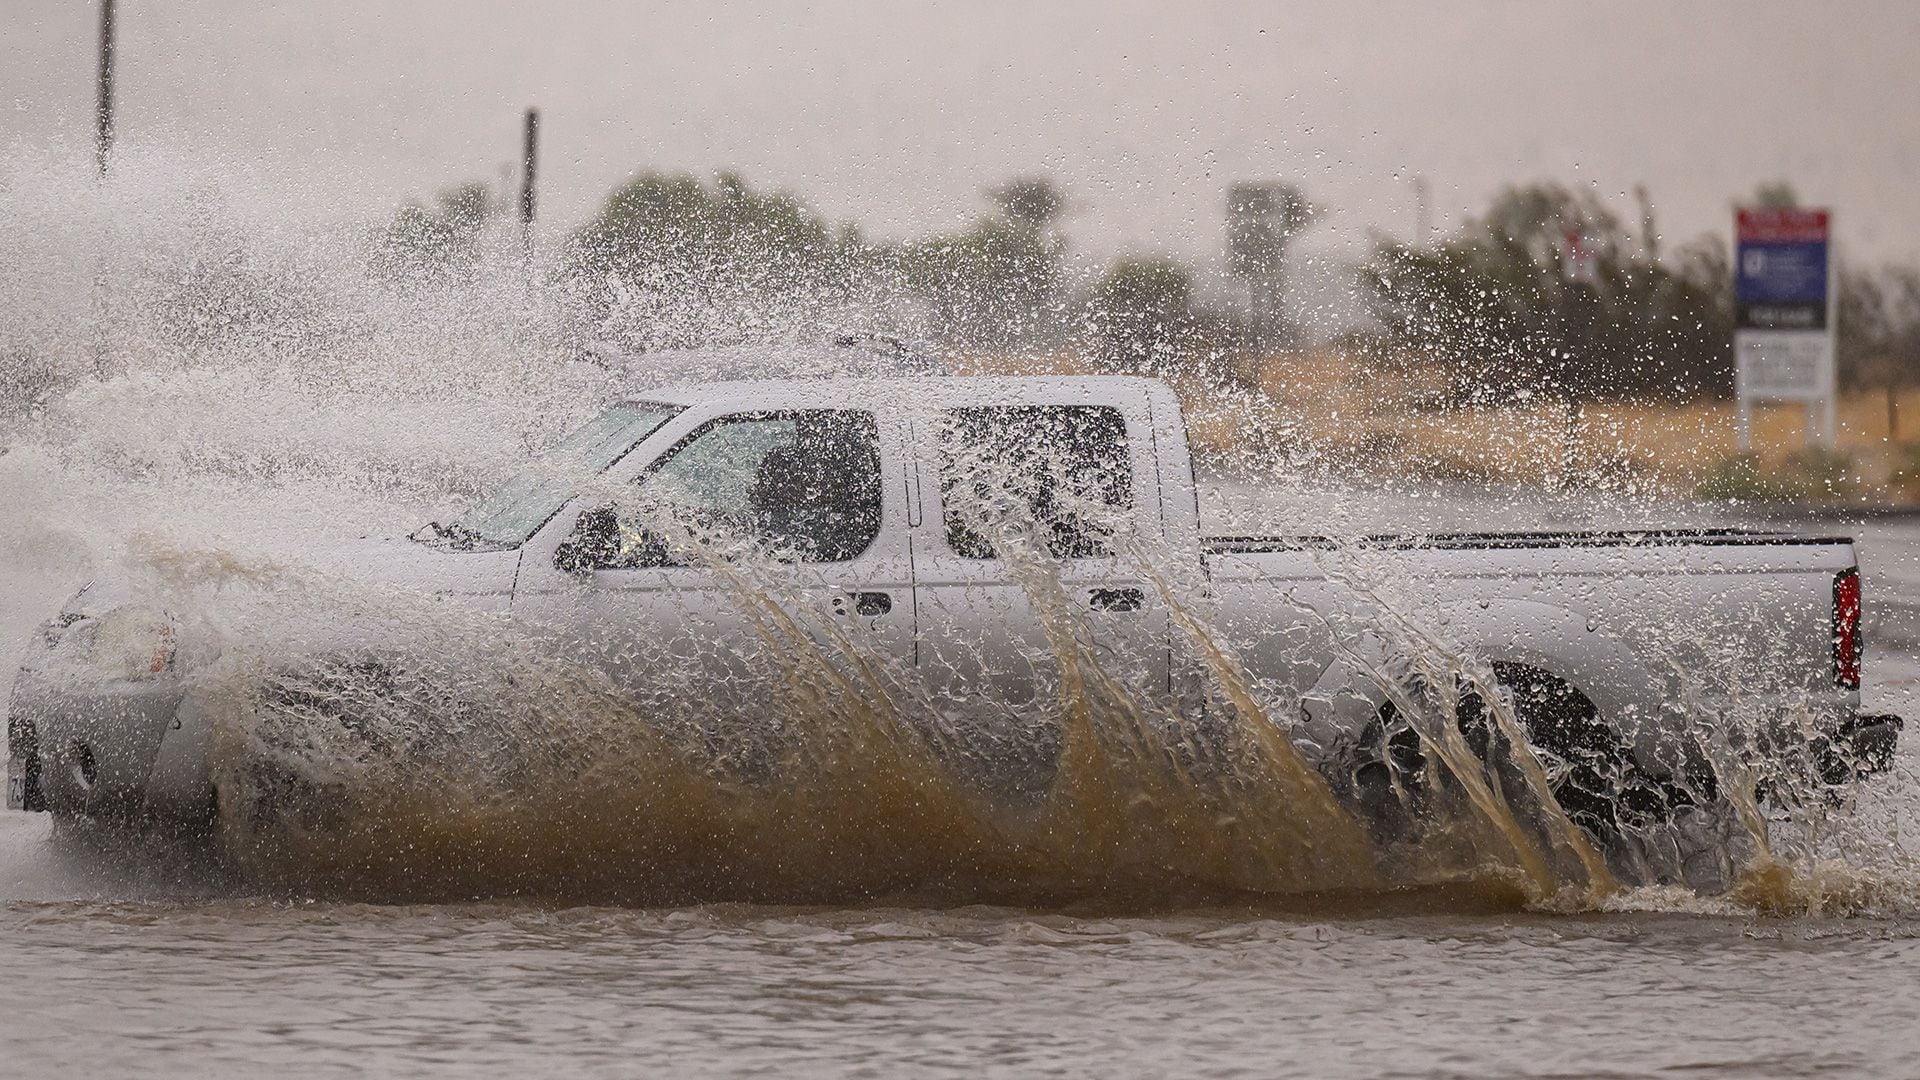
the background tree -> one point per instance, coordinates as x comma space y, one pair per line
1141, 320
1877, 334
671, 260
1262, 220
440, 239
1495, 304
1774, 195
999, 284
1029, 203
662, 227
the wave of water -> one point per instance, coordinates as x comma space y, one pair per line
199, 383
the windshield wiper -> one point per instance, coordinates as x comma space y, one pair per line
454, 535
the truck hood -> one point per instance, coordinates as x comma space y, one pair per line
482, 576
480, 580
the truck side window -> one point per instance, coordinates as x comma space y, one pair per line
803, 485
1057, 474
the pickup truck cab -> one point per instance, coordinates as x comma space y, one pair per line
978, 549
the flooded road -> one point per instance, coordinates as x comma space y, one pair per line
118, 963
249, 988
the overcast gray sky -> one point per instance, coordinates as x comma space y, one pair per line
897, 115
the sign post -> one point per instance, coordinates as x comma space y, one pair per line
1783, 316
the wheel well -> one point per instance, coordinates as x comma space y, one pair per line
1551, 712
1554, 715
1596, 779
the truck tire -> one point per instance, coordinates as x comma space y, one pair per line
1591, 770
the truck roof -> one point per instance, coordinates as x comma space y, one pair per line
866, 356
833, 391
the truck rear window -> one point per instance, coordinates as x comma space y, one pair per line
1052, 477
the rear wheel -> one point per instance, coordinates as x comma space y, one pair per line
1590, 770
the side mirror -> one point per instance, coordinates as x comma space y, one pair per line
594, 542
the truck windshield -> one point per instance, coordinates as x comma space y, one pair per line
534, 494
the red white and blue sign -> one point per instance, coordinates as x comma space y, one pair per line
1781, 269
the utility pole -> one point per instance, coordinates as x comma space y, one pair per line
102, 153
529, 161
103, 103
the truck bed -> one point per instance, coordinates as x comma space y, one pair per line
1730, 627
1247, 545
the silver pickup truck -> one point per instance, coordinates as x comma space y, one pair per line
973, 545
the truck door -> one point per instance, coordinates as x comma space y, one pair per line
787, 570
1027, 580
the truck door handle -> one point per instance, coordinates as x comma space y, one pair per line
1128, 599
869, 604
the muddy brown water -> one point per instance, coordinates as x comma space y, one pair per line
131, 963
118, 963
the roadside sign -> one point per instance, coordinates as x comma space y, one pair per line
1780, 278
1778, 365
1783, 304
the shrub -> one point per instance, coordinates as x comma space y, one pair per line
1812, 475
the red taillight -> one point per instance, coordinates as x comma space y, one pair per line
1846, 629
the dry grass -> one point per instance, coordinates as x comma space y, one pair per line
1333, 411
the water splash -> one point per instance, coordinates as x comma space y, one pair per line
266, 383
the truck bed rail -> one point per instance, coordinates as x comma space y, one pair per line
1248, 545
